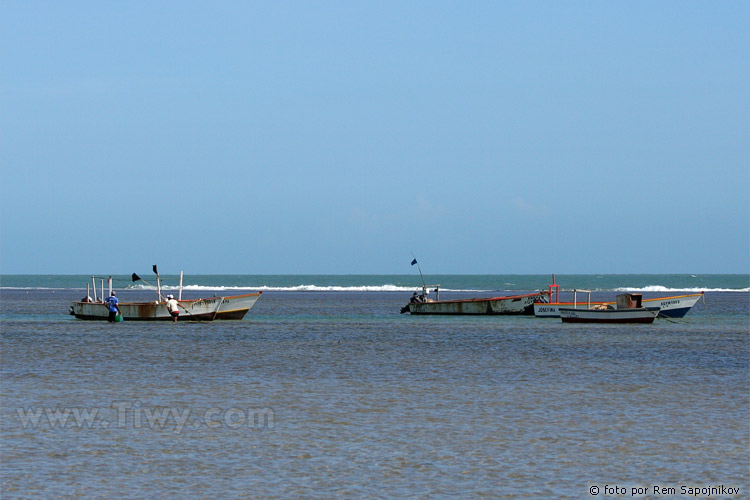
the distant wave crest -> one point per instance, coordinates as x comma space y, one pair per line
297, 288
660, 289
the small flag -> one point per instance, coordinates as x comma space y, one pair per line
413, 262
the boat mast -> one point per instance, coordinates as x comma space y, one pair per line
556, 290
424, 287
158, 282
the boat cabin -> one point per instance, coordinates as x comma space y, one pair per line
629, 301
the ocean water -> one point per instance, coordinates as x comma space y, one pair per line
397, 282
324, 390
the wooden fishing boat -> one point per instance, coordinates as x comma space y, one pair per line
513, 304
635, 315
213, 308
629, 310
671, 307
234, 307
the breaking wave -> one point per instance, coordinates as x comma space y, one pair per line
660, 289
298, 288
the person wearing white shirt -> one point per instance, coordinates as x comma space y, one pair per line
173, 308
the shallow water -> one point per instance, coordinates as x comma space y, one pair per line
335, 394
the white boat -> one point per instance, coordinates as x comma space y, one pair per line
635, 315
671, 307
213, 308
234, 307
629, 310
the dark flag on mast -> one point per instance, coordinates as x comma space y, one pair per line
424, 287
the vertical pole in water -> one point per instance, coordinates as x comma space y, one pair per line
109, 282
102, 289
179, 296
93, 285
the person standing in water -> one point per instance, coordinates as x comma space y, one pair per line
173, 307
111, 302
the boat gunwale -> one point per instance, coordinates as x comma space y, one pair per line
481, 299
183, 301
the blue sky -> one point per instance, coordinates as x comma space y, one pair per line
337, 137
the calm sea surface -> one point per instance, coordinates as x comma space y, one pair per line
332, 393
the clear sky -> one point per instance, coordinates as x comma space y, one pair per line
282, 137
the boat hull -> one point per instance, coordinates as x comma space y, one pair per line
517, 304
670, 307
234, 307
635, 315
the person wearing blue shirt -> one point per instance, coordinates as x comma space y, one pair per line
111, 302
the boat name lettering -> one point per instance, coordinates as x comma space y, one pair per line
204, 302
